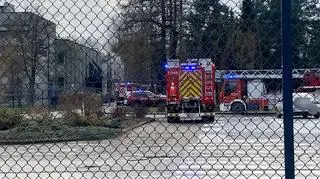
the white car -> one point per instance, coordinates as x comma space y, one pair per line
304, 104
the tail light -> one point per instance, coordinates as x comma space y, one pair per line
173, 90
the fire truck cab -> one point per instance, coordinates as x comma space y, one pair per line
240, 95
190, 89
311, 78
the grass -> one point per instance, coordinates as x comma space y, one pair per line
75, 129
37, 124
66, 133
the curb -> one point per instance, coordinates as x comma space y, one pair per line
25, 142
225, 113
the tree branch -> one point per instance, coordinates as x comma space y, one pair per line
133, 20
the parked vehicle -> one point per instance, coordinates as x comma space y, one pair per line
241, 95
306, 102
121, 91
145, 98
191, 88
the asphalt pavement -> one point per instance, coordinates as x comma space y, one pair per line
230, 147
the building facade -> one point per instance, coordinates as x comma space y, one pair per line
79, 68
27, 54
37, 67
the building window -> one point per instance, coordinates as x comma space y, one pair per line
61, 58
60, 82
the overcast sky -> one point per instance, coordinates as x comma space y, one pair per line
75, 18
80, 18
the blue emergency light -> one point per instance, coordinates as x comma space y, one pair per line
230, 76
189, 67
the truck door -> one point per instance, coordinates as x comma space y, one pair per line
230, 91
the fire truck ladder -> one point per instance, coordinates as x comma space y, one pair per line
261, 74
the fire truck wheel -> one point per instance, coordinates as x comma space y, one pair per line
161, 106
238, 108
172, 119
279, 115
316, 116
305, 115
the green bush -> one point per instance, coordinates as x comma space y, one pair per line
76, 120
10, 118
39, 123
113, 123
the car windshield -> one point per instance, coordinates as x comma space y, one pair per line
141, 94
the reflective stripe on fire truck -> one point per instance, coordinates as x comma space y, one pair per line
207, 114
190, 84
173, 114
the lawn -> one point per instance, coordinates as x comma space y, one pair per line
72, 127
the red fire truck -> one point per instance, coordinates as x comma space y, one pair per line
191, 91
311, 78
241, 95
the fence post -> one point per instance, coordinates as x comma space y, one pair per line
287, 88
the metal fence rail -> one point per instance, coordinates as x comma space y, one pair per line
86, 90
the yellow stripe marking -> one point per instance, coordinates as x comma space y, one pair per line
190, 84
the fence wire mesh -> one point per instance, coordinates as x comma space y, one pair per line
155, 89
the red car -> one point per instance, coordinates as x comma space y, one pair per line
145, 98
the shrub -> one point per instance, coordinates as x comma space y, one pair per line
89, 103
9, 118
76, 120
70, 102
113, 123
92, 104
100, 113
118, 112
39, 122
40, 110
140, 111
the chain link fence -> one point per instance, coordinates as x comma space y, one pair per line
156, 89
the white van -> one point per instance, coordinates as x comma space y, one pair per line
306, 102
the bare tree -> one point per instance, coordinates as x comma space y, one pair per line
32, 37
158, 24
10, 72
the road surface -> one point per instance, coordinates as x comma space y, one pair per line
230, 147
